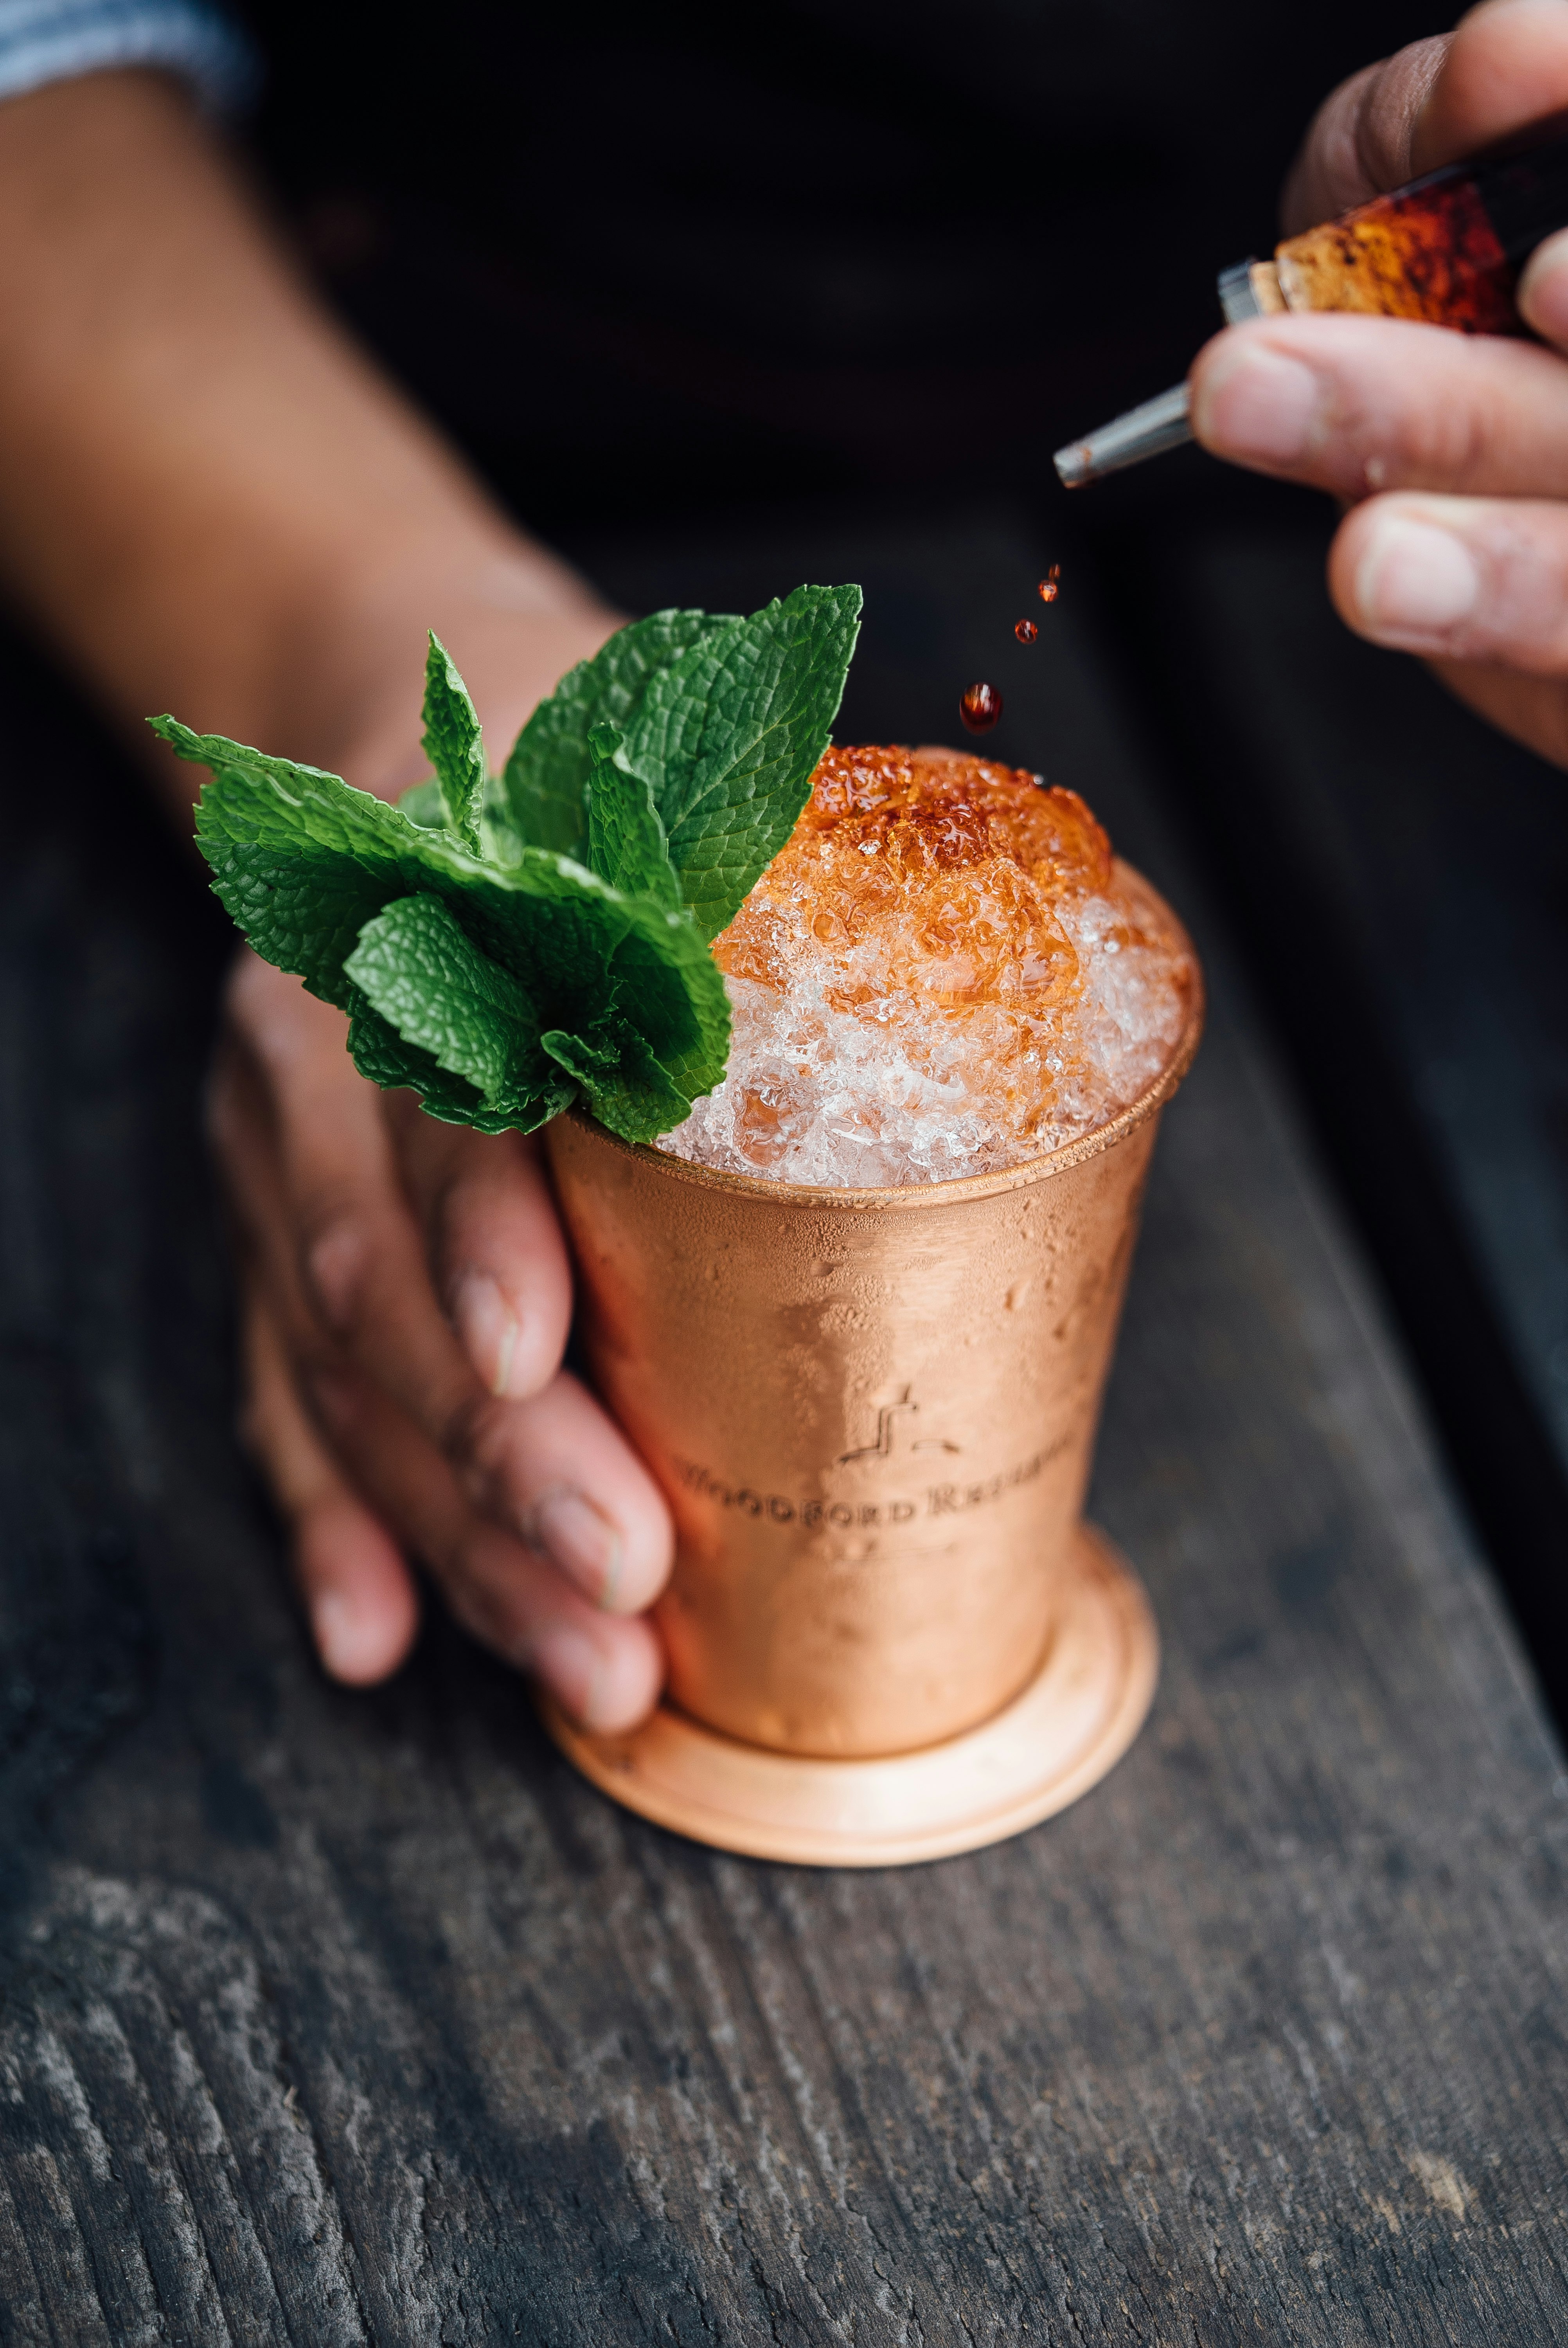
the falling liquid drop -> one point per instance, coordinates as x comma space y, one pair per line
1050, 585
981, 708
1026, 632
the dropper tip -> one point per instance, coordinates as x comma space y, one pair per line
1144, 431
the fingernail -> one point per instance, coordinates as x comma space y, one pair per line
570, 1666
348, 1643
488, 1328
1256, 405
1543, 294
1413, 580
583, 1543
335, 1267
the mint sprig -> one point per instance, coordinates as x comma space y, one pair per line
506, 944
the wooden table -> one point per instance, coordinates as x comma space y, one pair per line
1432, 1046
328, 2017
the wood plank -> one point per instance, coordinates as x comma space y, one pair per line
359, 2017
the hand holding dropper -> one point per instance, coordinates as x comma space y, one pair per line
1452, 447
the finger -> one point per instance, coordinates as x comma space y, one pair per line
495, 1246
1457, 579
1506, 66
1541, 293
336, 1195
301, 1156
1435, 102
584, 1495
604, 1669
1358, 143
361, 1596
1349, 405
358, 1590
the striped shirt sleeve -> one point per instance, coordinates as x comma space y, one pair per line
53, 40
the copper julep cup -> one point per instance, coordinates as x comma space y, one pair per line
891, 1636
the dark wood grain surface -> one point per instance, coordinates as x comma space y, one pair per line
1434, 854
328, 2017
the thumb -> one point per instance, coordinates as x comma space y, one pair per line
1505, 68
1358, 144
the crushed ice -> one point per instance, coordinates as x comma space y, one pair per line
976, 991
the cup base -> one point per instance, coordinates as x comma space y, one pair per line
1056, 1739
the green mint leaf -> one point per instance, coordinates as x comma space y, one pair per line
546, 777
428, 979
626, 843
277, 802
303, 863
425, 804
621, 1081
729, 735
380, 1052
301, 910
664, 982
500, 840
453, 744
301, 860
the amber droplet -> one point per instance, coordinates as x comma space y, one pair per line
1050, 585
1026, 632
981, 708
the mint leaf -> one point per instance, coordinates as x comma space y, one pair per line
303, 863
500, 840
429, 983
257, 799
667, 984
727, 738
453, 744
301, 910
423, 804
626, 844
546, 777
624, 1084
379, 1052
300, 860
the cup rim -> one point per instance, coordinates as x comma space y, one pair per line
824, 1197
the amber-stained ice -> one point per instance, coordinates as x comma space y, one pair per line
943, 972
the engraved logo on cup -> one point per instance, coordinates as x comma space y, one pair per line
882, 1448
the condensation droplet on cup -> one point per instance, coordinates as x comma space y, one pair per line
1050, 585
981, 708
1026, 632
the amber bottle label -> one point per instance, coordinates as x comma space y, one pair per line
1431, 252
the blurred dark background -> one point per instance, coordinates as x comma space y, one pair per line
708, 292
650, 261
